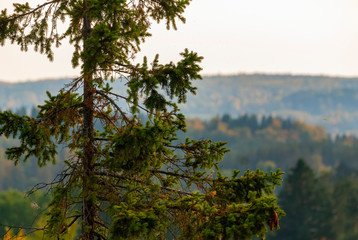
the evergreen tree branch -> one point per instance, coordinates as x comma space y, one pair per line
103, 93
16, 16
124, 116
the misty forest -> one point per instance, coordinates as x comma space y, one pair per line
149, 150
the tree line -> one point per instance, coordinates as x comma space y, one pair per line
269, 142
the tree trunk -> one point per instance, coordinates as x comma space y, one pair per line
88, 207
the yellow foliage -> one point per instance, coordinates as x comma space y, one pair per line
38, 235
8, 235
11, 236
212, 194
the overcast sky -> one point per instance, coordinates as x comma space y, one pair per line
234, 36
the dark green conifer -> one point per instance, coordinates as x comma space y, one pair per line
128, 180
308, 206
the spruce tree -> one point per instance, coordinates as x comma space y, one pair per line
308, 205
128, 179
345, 206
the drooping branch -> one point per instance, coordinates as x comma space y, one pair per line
75, 218
124, 116
22, 227
103, 93
16, 16
119, 176
173, 174
57, 111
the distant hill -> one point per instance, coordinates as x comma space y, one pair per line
28, 94
331, 102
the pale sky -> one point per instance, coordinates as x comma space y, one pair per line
234, 36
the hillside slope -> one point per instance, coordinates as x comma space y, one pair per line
321, 100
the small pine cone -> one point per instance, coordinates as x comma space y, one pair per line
273, 222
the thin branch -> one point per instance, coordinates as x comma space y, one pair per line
9, 229
172, 174
177, 191
71, 223
100, 236
125, 98
101, 139
108, 119
115, 105
115, 175
100, 223
15, 16
40, 120
22, 227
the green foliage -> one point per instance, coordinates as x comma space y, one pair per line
307, 205
20, 210
126, 179
345, 202
129, 224
35, 139
318, 207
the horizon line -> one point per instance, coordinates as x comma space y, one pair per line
219, 74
